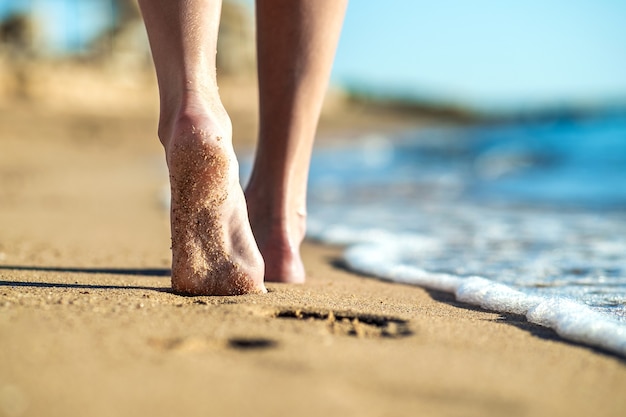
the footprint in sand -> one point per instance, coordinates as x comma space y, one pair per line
200, 344
337, 323
353, 324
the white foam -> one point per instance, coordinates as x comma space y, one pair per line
494, 296
383, 261
579, 323
571, 320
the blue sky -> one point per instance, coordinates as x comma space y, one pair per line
487, 53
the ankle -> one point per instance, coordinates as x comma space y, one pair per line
193, 112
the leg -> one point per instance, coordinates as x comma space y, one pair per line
213, 249
296, 45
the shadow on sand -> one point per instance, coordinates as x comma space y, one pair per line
149, 272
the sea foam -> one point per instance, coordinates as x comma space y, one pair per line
570, 319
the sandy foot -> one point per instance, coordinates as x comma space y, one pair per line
213, 249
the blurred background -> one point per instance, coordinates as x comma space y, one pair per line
486, 57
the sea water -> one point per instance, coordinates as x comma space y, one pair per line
525, 218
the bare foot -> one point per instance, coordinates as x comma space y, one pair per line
213, 249
278, 236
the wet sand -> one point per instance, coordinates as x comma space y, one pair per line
88, 325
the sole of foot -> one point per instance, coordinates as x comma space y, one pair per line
213, 248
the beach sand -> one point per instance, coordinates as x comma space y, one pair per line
88, 326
